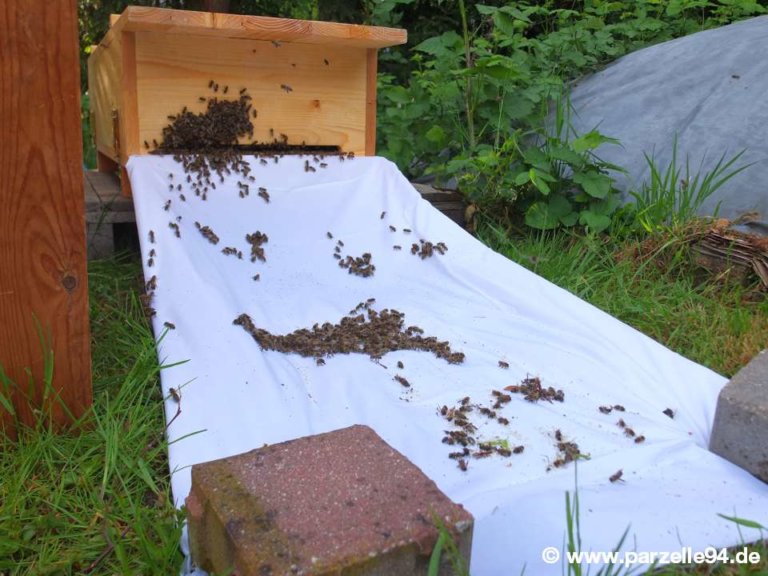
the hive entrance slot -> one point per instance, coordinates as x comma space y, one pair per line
259, 149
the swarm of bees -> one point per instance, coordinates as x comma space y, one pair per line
363, 331
533, 391
206, 144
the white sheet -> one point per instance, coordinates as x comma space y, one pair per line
237, 397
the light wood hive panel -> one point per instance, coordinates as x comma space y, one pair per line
154, 61
323, 104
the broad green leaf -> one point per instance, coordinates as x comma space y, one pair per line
607, 206
535, 156
397, 94
566, 155
595, 184
497, 66
569, 219
547, 215
516, 13
595, 222
522, 178
591, 140
539, 217
516, 106
540, 183
436, 134
444, 45
486, 10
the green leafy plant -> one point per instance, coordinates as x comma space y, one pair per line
553, 179
478, 95
673, 196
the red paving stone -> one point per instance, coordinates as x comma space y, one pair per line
337, 503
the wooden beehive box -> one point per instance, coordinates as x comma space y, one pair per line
312, 81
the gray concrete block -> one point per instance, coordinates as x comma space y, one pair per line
337, 504
740, 430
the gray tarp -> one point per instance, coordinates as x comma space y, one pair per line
710, 89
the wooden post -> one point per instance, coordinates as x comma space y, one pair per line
43, 281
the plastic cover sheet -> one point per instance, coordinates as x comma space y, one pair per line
236, 397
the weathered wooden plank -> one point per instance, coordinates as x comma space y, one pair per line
137, 18
42, 231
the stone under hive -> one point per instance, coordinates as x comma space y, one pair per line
313, 81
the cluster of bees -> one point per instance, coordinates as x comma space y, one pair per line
533, 391
207, 233
463, 434
232, 251
426, 249
256, 240
206, 144
363, 331
359, 266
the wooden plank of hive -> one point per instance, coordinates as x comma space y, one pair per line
136, 18
294, 91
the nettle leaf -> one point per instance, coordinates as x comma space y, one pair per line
550, 214
398, 95
486, 10
445, 45
497, 66
516, 106
595, 184
566, 155
591, 140
535, 156
516, 13
436, 134
595, 222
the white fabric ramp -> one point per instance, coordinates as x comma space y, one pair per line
236, 397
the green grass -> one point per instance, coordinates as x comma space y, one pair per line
99, 502
652, 285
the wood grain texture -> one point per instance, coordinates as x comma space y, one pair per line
136, 18
42, 228
314, 95
105, 69
370, 101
